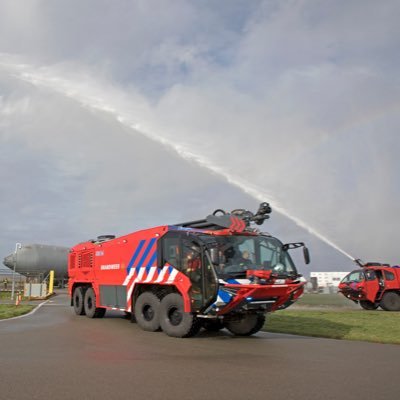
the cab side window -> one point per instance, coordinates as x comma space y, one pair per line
370, 275
191, 260
389, 276
355, 277
171, 253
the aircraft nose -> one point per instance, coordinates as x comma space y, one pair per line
9, 261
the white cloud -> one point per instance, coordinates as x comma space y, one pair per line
297, 99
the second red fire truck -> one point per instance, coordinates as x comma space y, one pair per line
213, 273
374, 285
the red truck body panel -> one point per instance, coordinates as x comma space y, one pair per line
124, 261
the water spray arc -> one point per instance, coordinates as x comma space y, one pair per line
95, 100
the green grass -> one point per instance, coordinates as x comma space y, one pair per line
326, 300
370, 326
5, 295
9, 310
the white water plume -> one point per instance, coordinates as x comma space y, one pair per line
93, 96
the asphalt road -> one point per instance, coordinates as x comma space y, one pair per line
54, 354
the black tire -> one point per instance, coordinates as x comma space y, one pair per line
390, 301
213, 325
368, 305
174, 321
77, 301
248, 325
91, 310
147, 312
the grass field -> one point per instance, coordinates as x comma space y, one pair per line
370, 326
326, 300
5, 295
9, 311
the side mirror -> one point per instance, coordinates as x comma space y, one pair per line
214, 255
306, 255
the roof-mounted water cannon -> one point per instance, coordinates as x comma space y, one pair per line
237, 220
359, 262
258, 218
262, 213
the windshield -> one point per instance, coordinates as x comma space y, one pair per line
240, 253
355, 276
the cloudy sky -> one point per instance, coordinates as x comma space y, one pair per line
116, 116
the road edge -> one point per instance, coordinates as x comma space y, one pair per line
27, 314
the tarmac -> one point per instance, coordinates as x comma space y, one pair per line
54, 353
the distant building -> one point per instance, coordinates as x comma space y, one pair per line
328, 281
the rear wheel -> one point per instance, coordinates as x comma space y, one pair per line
147, 311
77, 301
174, 321
368, 305
248, 325
90, 305
390, 301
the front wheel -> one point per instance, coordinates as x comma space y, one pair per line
390, 301
174, 321
247, 325
90, 305
368, 305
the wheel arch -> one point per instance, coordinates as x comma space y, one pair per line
394, 290
159, 290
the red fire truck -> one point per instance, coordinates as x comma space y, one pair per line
374, 285
213, 273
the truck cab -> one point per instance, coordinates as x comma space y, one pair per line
220, 263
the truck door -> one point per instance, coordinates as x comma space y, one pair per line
372, 285
184, 252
